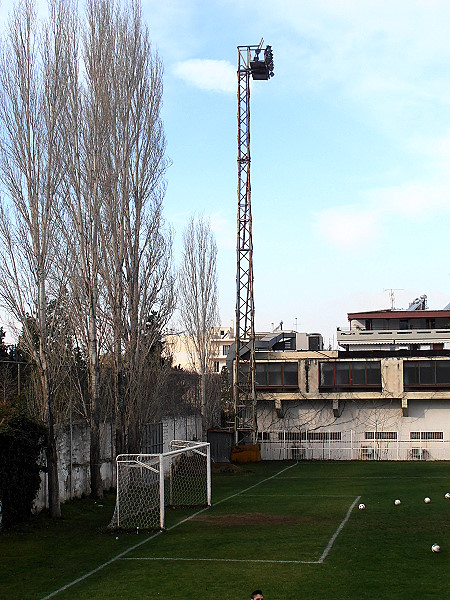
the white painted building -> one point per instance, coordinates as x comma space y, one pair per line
384, 395
183, 352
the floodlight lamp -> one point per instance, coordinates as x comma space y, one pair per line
268, 59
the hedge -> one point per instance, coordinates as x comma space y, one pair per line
21, 443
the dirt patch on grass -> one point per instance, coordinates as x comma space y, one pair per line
230, 468
227, 468
250, 519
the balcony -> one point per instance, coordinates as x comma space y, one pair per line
394, 337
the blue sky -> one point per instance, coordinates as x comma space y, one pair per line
350, 145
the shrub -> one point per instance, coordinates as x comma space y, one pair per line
21, 443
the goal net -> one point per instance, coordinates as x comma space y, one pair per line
148, 483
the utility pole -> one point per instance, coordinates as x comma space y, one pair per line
244, 387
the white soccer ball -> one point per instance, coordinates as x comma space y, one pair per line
435, 548
362, 506
447, 495
427, 500
397, 502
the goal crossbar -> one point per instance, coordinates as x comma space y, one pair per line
147, 483
137, 464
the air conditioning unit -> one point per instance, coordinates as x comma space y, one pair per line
419, 454
367, 453
315, 342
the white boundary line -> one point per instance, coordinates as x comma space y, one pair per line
100, 567
338, 531
273, 562
369, 477
148, 539
299, 495
233, 560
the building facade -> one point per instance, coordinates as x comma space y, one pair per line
183, 353
384, 395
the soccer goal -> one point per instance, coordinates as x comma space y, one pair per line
148, 483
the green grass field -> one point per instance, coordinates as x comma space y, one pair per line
287, 528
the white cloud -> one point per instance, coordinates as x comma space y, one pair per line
389, 58
206, 74
415, 200
435, 149
347, 227
354, 226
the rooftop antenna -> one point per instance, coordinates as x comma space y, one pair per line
392, 295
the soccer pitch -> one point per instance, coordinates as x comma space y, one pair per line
293, 530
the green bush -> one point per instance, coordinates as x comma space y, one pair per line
21, 444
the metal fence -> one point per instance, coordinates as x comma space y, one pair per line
351, 447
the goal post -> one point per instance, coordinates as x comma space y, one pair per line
148, 483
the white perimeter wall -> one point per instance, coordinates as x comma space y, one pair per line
73, 456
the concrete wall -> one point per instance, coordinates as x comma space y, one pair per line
181, 428
73, 456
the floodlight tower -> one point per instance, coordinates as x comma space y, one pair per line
244, 389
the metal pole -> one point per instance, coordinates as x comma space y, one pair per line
208, 472
117, 494
161, 491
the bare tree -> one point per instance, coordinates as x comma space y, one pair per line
121, 247
32, 97
136, 266
198, 299
86, 137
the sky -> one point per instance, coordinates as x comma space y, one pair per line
350, 150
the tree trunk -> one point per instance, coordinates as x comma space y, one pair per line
204, 408
54, 504
95, 462
120, 415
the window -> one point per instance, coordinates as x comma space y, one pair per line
442, 371
311, 436
225, 349
261, 375
290, 373
277, 374
426, 435
322, 436
263, 436
380, 435
359, 373
291, 436
216, 366
326, 374
426, 373
349, 374
342, 373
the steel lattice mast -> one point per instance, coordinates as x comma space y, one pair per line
244, 375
